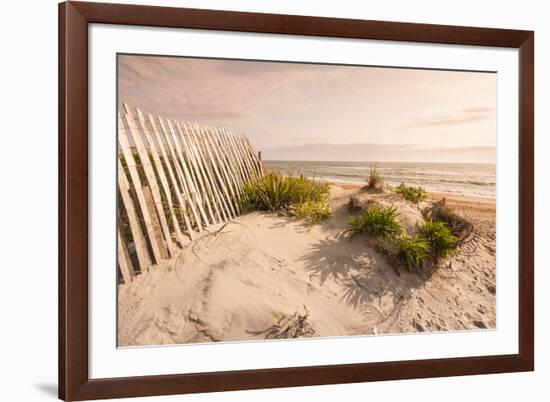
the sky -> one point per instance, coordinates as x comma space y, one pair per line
292, 111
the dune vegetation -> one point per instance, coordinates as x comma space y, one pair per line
374, 180
306, 199
411, 194
435, 238
377, 222
440, 238
414, 249
252, 278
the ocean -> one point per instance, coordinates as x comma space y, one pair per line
459, 178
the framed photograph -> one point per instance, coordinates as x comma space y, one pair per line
260, 200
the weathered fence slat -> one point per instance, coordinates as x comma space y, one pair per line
253, 156
214, 165
163, 179
244, 156
208, 190
124, 263
224, 151
193, 196
237, 156
177, 191
194, 168
134, 175
218, 200
232, 157
224, 169
157, 205
138, 237
174, 179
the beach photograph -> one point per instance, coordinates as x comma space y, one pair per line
271, 200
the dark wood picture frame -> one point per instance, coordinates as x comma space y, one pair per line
74, 381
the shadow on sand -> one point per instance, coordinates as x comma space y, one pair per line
364, 273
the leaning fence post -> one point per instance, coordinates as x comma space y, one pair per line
169, 172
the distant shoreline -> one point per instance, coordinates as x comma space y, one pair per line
382, 162
436, 195
433, 194
470, 179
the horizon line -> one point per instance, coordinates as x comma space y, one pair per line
374, 162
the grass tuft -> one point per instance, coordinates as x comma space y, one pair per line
443, 243
460, 226
411, 194
414, 249
269, 193
312, 211
377, 222
294, 195
303, 189
374, 180
435, 240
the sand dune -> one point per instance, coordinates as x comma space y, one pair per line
262, 272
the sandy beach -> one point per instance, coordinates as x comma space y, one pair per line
239, 280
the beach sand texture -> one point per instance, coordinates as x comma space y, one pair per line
258, 270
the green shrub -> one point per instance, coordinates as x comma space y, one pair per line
461, 227
296, 195
442, 241
377, 222
312, 211
269, 193
414, 249
303, 189
373, 180
412, 194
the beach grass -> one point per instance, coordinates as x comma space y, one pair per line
312, 211
377, 222
460, 226
442, 242
411, 194
414, 249
374, 180
303, 189
432, 240
269, 193
291, 195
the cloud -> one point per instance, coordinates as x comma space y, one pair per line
445, 121
300, 139
190, 88
295, 111
463, 116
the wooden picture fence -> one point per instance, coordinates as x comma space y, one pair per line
175, 179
